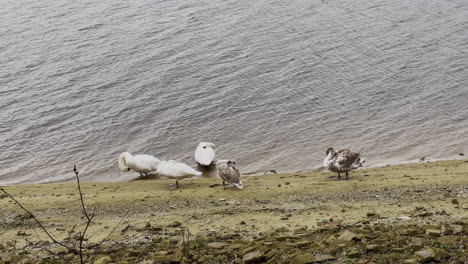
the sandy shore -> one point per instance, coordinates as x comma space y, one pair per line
271, 205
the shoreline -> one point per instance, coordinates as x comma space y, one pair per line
290, 202
213, 173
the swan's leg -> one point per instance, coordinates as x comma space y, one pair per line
223, 184
141, 174
339, 176
177, 184
346, 175
146, 174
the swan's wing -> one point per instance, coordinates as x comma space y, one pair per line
176, 169
187, 170
204, 154
346, 158
147, 161
147, 158
229, 173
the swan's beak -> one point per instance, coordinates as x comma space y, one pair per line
128, 169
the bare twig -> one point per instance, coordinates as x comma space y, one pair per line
115, 227
84, 233
85, 212
81, 194
81, 239
37, 221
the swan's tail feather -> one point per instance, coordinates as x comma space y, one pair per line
123, 162
196, 173
358, 163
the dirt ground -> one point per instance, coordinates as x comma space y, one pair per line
278, 218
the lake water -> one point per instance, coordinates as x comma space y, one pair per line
272, 83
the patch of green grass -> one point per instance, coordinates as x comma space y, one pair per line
200, 241
445, 246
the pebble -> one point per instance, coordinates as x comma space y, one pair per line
425, 255
433, 232
253, 257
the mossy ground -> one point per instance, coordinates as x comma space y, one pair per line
313, 205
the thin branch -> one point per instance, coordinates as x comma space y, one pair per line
37, 221
81, 194
83, 235
115, 227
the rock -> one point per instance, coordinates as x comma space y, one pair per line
283, 238
411, 232
174, 224
404, 218
417, 243
133, 252
281, 229
433, 232
373, 248
303, 244
330, 250
235, 246
323, 257
441, 254
348, 236
354, 253
253, 257
317, 245
216, 245
146, 262
303, 259
330, 239
407, 231
2, 196
425, 255
103, 260
22, 233
248, 250
272, 253
448, 241
372, 214
456, 229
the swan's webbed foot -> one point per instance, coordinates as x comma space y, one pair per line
229, 186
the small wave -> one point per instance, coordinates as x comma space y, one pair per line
95, 26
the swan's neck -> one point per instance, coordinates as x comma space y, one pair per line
328, 159
129, 160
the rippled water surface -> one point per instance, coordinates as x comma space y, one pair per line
271, 83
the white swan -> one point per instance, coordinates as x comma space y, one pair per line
343, 160
173, 168
139, 163
205, 154
229, 173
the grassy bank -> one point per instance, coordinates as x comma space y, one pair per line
273, 212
